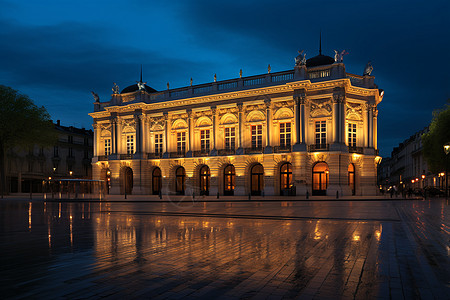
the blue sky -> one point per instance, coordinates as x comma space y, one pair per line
58, 51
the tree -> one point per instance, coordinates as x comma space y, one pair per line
22, 125
436, 138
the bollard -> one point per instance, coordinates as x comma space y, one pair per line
249, 196
307, 195
193, 195
337, 194
160, 195
217, 195
262, 193
125, 194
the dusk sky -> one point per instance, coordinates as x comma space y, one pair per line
57, 52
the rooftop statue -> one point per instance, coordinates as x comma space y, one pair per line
96, 97
115, 88
368, 69
141, 85
300, 60
339, 57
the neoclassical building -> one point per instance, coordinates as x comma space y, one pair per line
311, 129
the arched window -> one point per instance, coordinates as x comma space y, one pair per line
257, 179
229, 177
351, 178
156, 181
320, 179
128, 180
286, 179
180, 178
205, 176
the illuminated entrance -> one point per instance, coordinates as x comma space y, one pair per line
286, 179
156, 181
351, 178
257, 180
229, 178
205, 176
180, 178
320, 179
128, 181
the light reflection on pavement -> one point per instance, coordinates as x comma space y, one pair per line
326, 249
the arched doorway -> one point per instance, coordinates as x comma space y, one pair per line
156, 181
320, 179
180, 178
286, 179
205, 176
229, 177
351, 178
128, 180
257, 180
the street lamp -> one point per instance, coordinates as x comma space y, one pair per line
447, 151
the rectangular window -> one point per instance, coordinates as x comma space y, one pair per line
55, 151
158, 143
107, 147
321, 134
130, 144
352, 135
204, 140
181, 142
70, 152
256, 136
70, 139
230, 138
285, 134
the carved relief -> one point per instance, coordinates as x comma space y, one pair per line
128, 125
320, 108
254, 107
353, 111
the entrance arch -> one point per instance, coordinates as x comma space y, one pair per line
205, 176
351, 178
180, 175
257, 180
229, 180
128, 180
320, 179
286, 179
156, 181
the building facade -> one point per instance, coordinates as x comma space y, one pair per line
70, 157
311, 130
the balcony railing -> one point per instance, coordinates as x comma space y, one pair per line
225, 152
177, 154
126, 156
359, 150
318, 147
154, 155
282, 149
201, 153
102, 157
252, 150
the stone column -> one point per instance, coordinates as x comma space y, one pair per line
240, 149
137, 120
268, 148
370, 119
297, 120
119, 127
95, 142
189, 135
213, 133
166, 135
114, 135
365, 114
300, 121
338, 115
375, 127
343, 117
145, 135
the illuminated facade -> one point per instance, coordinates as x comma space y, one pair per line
311, 129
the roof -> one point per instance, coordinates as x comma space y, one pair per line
319, 60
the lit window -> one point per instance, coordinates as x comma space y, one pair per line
204, 140
321, 134
181, 142
230, 138
158, 143
352, 135
285, 134
107, 146
130, 144
256, 136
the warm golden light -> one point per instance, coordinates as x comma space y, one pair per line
423, 176
447, 148
356, 237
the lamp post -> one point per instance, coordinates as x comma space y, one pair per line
447, 151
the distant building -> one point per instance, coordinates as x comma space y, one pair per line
407, 167
312, 129
69, 158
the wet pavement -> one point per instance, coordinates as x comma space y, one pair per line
249, 250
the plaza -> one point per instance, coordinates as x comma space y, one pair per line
378, 249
